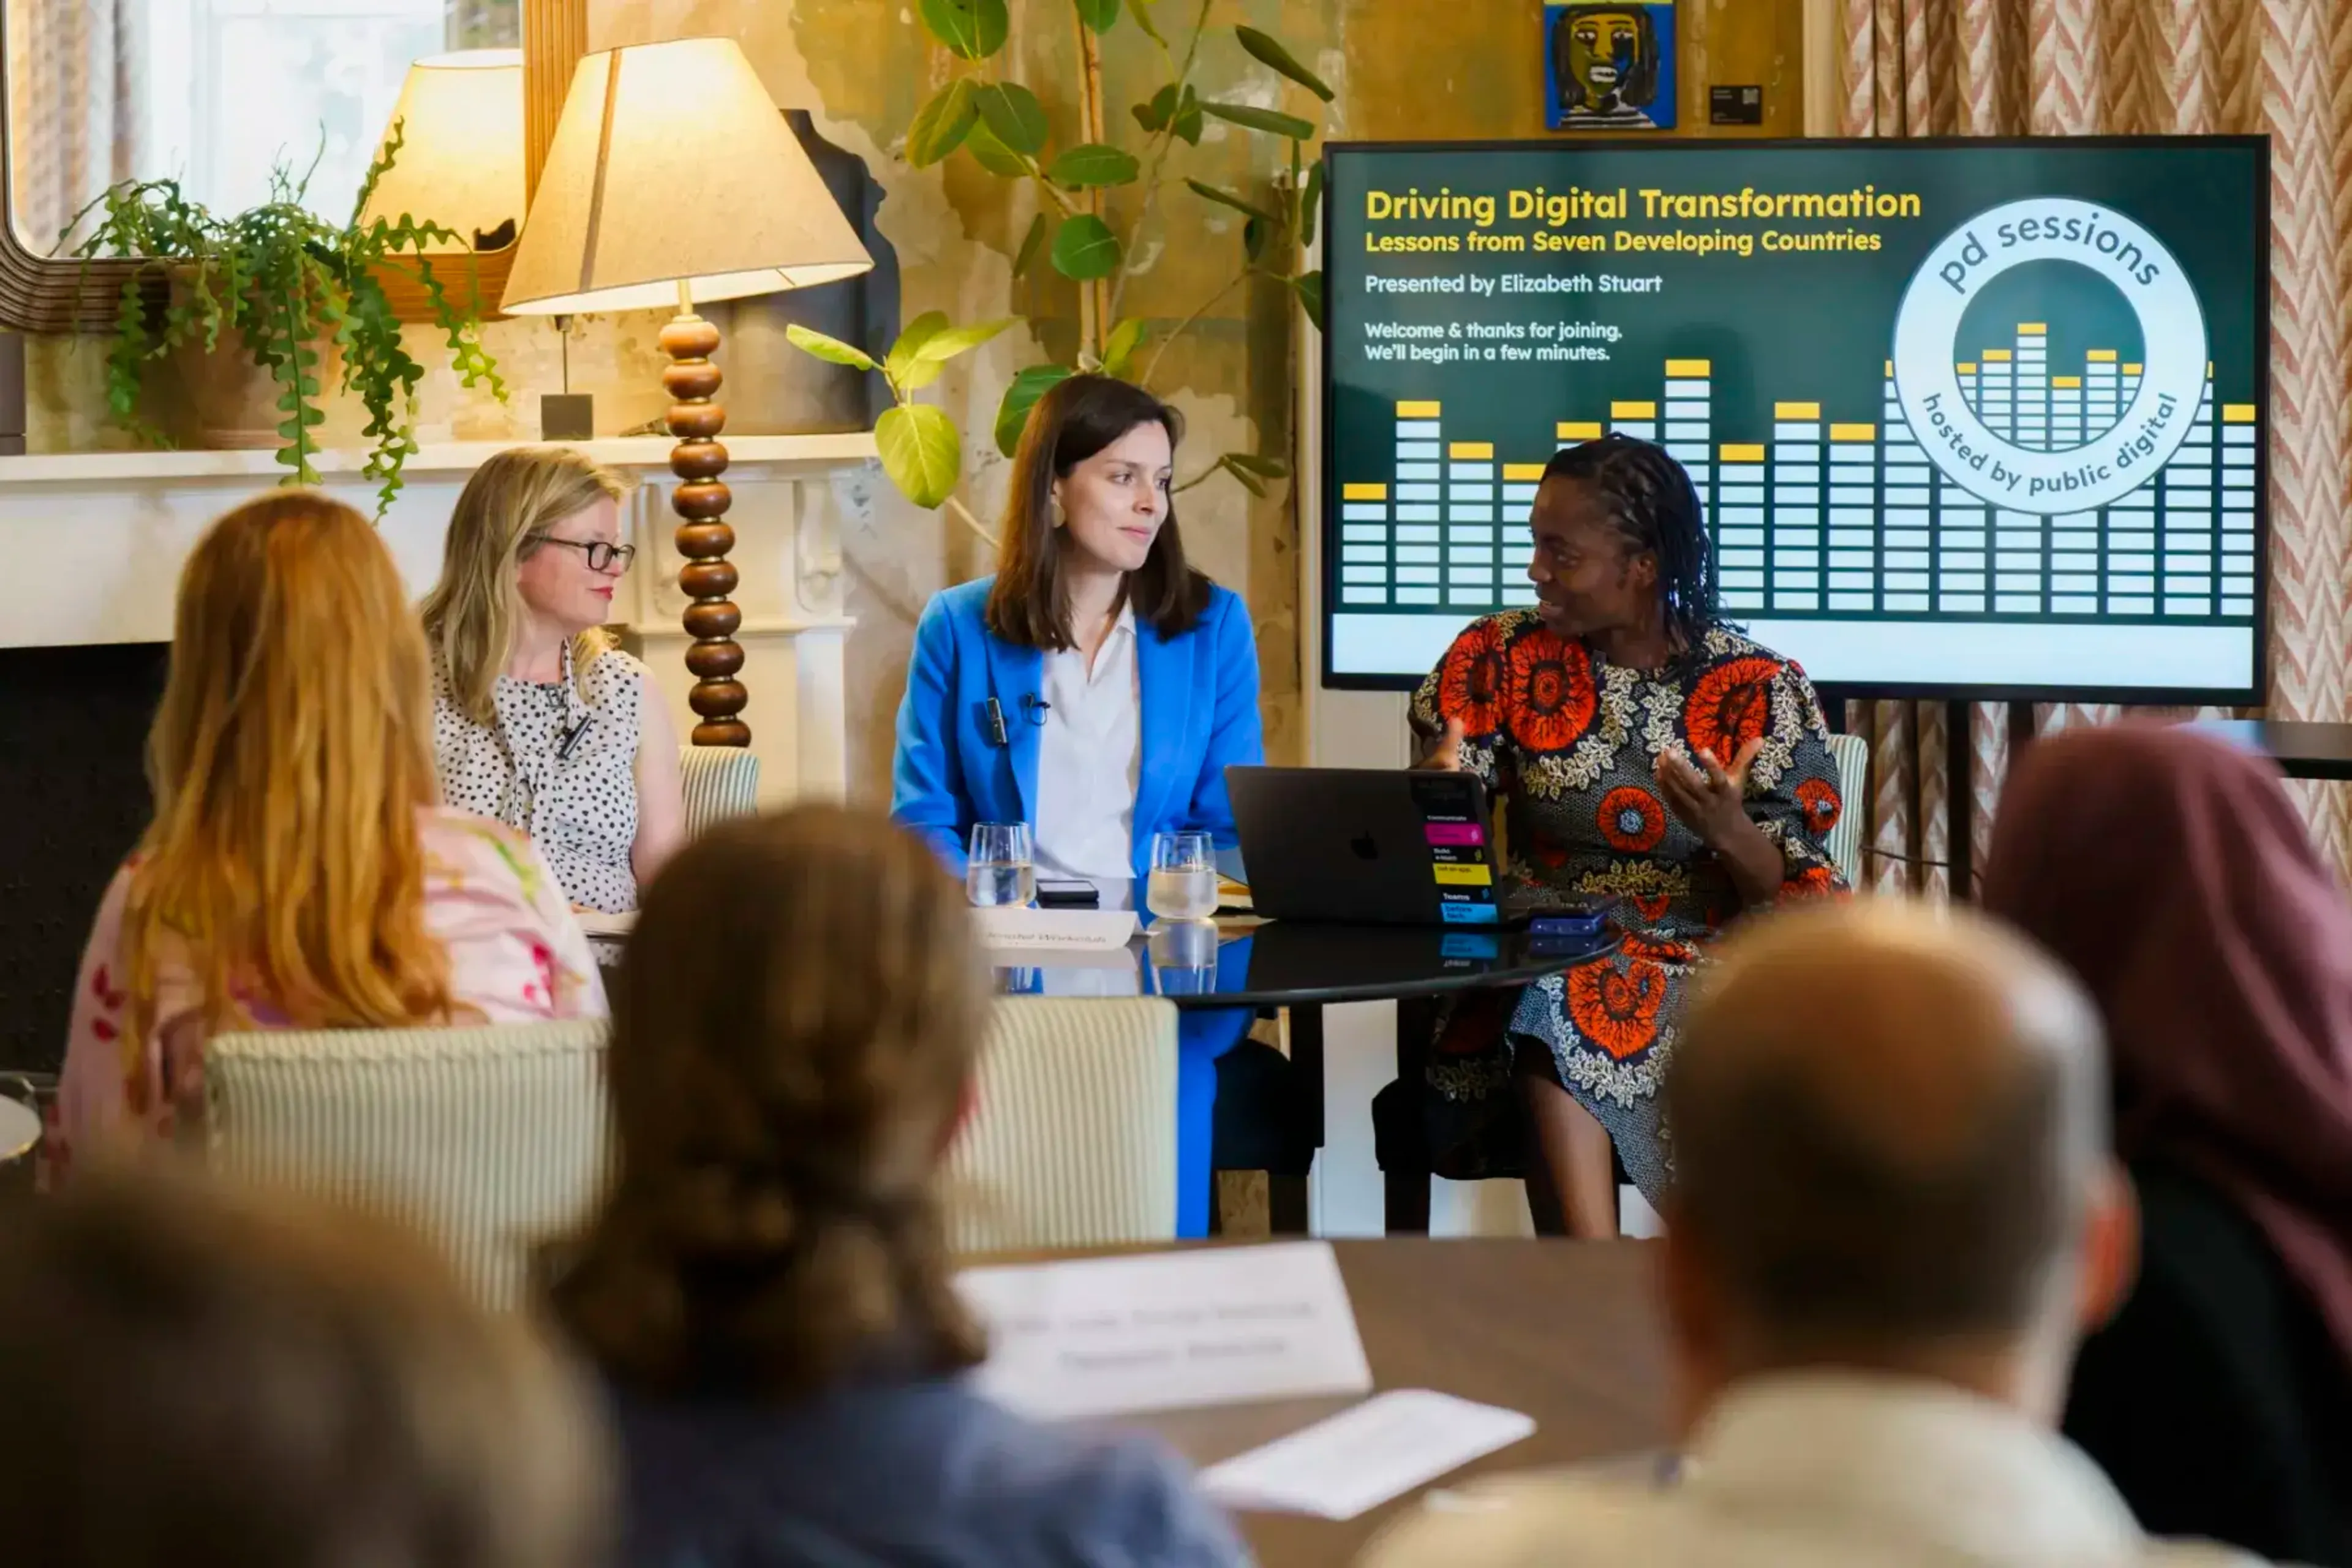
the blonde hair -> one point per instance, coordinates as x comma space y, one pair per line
218, 1378
502, 517
289, 759
793, 1028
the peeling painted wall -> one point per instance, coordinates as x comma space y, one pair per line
1431, 69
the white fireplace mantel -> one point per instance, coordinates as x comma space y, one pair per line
91, 546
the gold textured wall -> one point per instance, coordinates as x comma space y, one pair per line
1422, 69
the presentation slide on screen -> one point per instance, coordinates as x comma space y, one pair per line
1976, 419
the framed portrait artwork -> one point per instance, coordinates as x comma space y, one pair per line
1609, 67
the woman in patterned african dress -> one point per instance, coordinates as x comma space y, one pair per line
1642, 749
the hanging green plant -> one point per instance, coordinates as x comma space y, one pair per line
290, 290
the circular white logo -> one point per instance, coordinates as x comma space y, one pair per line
1992, 463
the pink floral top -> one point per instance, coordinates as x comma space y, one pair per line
517, 955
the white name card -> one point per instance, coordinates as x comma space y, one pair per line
1006, 928
1168, 1330
1359, 1459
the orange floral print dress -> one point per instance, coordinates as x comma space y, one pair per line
1569, 743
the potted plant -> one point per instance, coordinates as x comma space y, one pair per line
280, 291
1003, 127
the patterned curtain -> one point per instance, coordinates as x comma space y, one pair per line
76, 79
2006, 67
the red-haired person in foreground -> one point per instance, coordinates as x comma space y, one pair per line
300, 872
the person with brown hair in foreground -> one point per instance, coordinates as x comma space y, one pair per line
767, 1288
1894, 1214
195, 1377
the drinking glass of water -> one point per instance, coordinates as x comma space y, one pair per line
999, 869
1183, 881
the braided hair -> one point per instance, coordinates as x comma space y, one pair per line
1653, 507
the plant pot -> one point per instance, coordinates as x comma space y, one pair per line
231, 403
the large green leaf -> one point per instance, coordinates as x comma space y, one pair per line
1142, 11
1014, 112
1225, 198
830, 349
1309, 200
921, 451
1121, 346
1271, 120
972, 29
1255, 231
1085, 248
992, 155
1268, 50
1266, 467
1249, 480
1102, 16
1094, 165
944, 346
1309, 286
911, 339
1029, 243
943, 123
1020, 397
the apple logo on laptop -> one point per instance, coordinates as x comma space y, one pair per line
1365, 848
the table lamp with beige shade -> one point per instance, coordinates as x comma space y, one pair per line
674, 177
459, 164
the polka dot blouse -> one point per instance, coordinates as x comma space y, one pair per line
560, 768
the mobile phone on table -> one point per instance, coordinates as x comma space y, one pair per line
1075, 895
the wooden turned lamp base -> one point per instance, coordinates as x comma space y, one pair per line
701, 500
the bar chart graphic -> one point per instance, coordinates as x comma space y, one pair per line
1842, 516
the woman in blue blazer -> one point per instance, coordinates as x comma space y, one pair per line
1097, 687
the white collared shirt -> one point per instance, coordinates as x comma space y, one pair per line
1813, 1470
1089, 759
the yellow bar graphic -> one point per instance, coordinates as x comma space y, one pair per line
2033, 329
1853, 432
1796, 411
1689, 367
1997, 356
1416, 410
2101, 356
1471, 450
1890, 367
1363, 492
1741, 454
1464, 876
1522, 473
2237, 414
1633, 411
2065, 381
2131, 370
1966, 369
1576, 430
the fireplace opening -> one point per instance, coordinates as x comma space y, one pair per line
73, 801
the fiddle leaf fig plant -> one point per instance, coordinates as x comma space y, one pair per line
280, 282
1003, 128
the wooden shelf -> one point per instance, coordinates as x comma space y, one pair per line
799, 452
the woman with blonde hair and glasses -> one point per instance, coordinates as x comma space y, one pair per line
300, 871
538, 720
767, 1289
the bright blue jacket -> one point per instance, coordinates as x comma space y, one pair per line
1200, 716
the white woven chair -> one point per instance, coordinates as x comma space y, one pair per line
1852, 753
1074, 1140
719, 781
492, 1141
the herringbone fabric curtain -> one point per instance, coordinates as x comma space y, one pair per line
2054, 67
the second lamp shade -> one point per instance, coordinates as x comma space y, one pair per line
671, 162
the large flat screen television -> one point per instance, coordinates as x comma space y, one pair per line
1968, 418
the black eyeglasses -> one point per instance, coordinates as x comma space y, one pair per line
600, 554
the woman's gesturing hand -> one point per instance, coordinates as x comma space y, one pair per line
1446, 756
1709, 798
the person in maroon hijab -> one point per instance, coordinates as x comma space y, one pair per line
2172, 874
